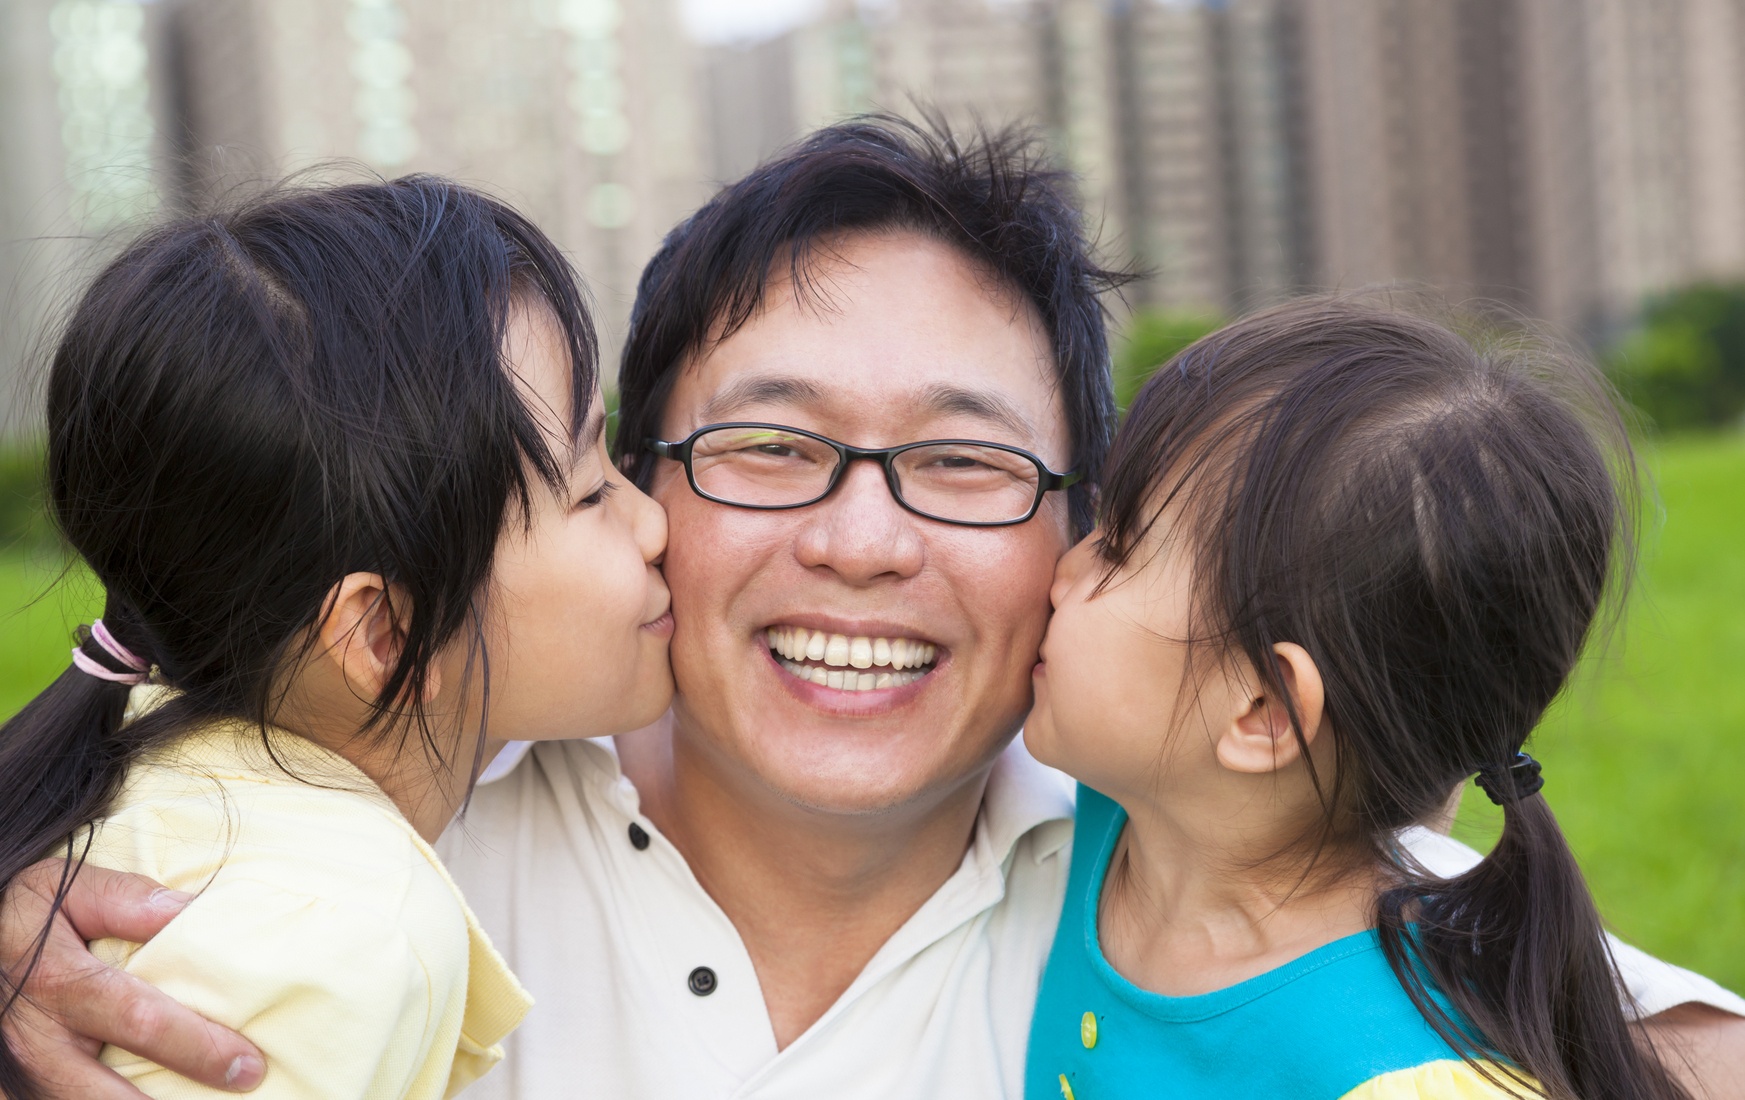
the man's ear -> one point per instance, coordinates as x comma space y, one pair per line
362, 634
1259, 738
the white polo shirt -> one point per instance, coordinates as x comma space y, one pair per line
642, 987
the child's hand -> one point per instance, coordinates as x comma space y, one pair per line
72, 1004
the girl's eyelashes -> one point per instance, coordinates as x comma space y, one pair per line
606, 489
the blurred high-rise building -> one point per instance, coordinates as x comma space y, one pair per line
581, 112
78, 147
584, 113
1565, 156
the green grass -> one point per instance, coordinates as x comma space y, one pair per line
1645, 755
37, 619
1644, 760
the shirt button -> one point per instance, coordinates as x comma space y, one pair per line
1088, 1030
638, 837
702, 981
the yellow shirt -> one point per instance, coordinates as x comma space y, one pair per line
325, 929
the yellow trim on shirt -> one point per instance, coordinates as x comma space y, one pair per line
1446, 1080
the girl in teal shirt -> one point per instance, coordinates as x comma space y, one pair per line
1346, 561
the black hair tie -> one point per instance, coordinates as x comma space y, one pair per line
1512, 781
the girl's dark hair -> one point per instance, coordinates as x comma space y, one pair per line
242, 409
1437, 521
995, 196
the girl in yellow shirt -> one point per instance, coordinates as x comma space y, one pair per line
337, 457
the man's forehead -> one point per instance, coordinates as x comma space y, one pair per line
905, 342
986, 404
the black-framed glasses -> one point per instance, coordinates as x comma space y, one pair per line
771, 466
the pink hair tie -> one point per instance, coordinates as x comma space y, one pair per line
141, 672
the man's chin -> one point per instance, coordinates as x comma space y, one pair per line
857, 769
834, 766
849, 788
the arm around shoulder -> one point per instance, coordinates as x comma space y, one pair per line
337, 997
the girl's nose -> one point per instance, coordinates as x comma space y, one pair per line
1071, 568
647, 522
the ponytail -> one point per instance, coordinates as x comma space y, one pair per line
1439, 522
62, 759
1516, 947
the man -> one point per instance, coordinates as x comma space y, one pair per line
830, 871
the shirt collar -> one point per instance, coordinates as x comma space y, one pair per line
1022, 795
1025, 795
233, 748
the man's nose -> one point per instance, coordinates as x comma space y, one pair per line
860, 532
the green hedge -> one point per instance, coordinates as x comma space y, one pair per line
1151, 339
23, 522
1683, 364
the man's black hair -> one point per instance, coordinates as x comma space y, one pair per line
996, 197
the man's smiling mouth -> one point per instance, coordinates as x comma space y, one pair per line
850, 663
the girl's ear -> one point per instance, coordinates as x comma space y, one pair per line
362, 635
1259, 738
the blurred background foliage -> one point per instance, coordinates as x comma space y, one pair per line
1683, 364
1151, 339
22, 517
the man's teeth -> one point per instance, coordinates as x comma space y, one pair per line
849, 679
844, 655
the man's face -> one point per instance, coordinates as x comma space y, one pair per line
902, 339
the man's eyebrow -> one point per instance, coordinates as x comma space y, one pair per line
990, 407
761, 391
940, 397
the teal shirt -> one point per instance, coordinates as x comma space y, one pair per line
1317, 1027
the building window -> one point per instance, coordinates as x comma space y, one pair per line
106, 127
597, 96
382, 65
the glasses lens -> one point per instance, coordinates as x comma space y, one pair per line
967, 483
762, 466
